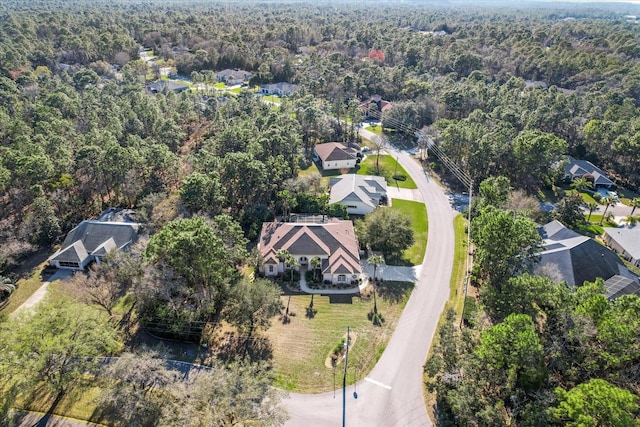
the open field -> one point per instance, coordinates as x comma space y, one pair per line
302, 348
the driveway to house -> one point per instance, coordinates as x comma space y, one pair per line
392, 393
41, 292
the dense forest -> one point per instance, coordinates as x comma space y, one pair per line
502, 92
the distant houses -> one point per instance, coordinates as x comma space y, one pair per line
232, 77
165, 86
333, 243
280, 89
374, 107
336, 156
361, 194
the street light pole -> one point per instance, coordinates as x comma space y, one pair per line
344, 381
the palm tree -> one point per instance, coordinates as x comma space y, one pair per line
607, 201
375, 261
283, 256
293, 264
581, 182
631, 220
635, 203
315, 263
592, 206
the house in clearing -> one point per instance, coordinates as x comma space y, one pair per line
573, 258
624, 241
91, 240
361, 194
374, 107
280, 89
333, 242
336, 156
575, 169
165, 86
233, 76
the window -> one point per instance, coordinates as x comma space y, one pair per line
69, 264
271, 269
342, 278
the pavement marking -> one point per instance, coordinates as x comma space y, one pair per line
378, 383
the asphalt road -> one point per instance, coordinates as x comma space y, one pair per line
392, 394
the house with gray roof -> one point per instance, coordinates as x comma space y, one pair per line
333, 242
575, 169
90, 241
573, 258
280, 89
361, 194
165, 86
624, 241
233, 76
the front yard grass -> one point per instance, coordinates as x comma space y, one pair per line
24, 289
302, 346
389, 168
417, 212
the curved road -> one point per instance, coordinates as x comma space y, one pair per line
392, 393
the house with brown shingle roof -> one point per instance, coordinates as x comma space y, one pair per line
333, 242
374, 107
334, 155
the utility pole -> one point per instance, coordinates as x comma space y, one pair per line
344, 381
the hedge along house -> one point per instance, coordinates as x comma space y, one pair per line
91, 241
333, 242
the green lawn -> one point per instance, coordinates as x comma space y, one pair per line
302, 347
597, 218
24, 289
417, 211
220, 85
456, 286
272, 98
389, 168
586, 197
375, 129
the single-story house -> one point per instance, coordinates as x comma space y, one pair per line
280, 89
164, 86
573, 258
333, 242
361, 194
91, 240
575, 169
335, 155
624, 241
374, 107
233, 77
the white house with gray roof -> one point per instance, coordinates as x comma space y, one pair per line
361, 194
575, 169
90, 241
625, 241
